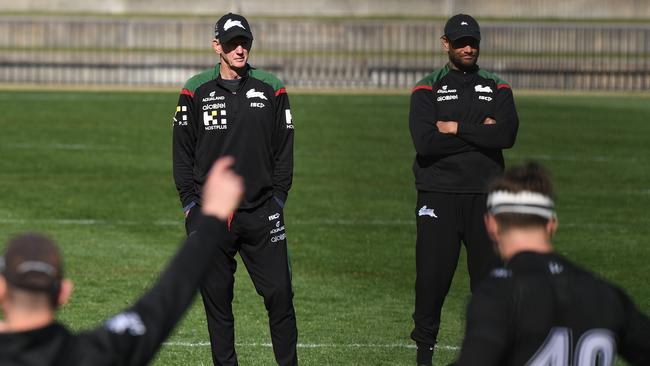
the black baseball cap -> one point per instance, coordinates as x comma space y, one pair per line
231, 26
462, 25
32, 262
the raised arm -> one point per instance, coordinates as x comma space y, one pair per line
134, 336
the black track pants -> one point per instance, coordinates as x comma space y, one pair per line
259, 237
443, 221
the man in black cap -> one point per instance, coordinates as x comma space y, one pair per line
539, 308
235, 109
32, 287
461, 117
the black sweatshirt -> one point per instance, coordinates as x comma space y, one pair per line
133, 336
467, 161
542, 307
252, 124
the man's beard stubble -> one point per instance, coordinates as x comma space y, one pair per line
462, 64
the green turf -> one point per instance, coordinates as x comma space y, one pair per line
106, 158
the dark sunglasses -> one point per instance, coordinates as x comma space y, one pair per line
464, 42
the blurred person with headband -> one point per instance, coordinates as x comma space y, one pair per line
540, 309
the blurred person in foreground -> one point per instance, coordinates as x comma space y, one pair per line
32, 288
539, 308
461, 118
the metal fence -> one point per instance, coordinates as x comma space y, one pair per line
320, 53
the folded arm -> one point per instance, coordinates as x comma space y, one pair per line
427, 139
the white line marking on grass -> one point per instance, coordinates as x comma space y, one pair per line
314, 345
396, 222
53, 221
82, 95
575, 158
599, 159
82, 222
89, 222
67, 147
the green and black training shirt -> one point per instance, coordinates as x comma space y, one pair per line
467, 161
251, 122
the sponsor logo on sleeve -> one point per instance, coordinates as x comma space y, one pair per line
180, 118
126, 322
288, 118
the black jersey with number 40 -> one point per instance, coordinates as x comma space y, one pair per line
541, 310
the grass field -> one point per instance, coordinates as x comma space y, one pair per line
93, 170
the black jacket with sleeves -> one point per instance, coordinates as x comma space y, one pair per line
252, 124
134, 336
467, 161
541, 309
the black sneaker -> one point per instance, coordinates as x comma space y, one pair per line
425, 354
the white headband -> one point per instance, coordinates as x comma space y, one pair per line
524, 202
